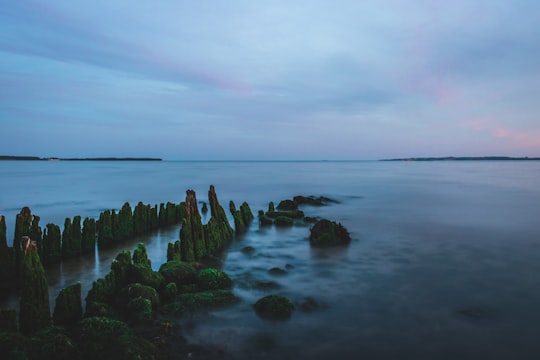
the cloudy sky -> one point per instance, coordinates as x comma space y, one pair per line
279, 79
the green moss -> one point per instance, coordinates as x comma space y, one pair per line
138, 273
139, 310
239, 225
207, 299
283, 221
264, 220
170, 292
100, 309
34, 312
274, 307
179, 272
133, 291
104, 229
68, 306
213, 279
247, 214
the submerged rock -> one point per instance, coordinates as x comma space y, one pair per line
274, 307
275, 271
329, 233
287, 205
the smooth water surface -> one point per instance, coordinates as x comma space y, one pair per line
443, 262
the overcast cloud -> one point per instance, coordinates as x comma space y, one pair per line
219, 80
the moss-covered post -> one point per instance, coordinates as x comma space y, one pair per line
114, 226
141, 257
174, 251
71, 238
52, 244
191, 234
125, 223
23, 223
68, 306
35, 313
247, 214
239, 224
104, 228
88, 235
218, 231
7, 259
162, 215
154, 217
139, 219
3, 238
171, 213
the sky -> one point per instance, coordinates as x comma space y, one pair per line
270, 80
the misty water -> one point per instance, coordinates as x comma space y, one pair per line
443, 263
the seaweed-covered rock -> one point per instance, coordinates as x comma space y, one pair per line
133, 291
247, 214
35, 313
283, 221
294, 214
68, 306
213, 279
264, 220
139, 310
170, 292
138, 273
179, 272
329, 233
287, 205
274, 307
312, 200
206, 299
100, 309
193, 245
88, 235
239, 224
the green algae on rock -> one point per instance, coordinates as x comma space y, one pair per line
274, 307
178, 272
213, 279
329, 233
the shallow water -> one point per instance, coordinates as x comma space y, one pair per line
443, 262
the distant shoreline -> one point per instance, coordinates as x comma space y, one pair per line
37, 158
467, 158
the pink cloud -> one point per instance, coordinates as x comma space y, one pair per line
529, 139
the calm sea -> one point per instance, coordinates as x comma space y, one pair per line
444, 262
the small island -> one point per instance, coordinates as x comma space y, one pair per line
467, 158
37, 158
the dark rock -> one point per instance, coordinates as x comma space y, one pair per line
248, 250
133, 291
138, 273
310, 219
313, 201
329, 233
287, 205
277, 272
206, 299
54, 343
274, 307
294, 214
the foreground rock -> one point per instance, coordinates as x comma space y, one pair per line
329, 233
274, 307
